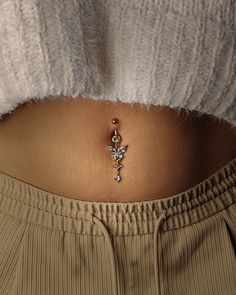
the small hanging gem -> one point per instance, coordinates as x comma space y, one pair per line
117, 178
116, 137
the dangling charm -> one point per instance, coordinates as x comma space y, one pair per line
116, 151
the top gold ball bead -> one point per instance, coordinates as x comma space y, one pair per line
115, 121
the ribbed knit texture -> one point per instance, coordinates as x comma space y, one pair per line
176, 53
50, 245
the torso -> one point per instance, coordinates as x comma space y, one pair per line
60, 146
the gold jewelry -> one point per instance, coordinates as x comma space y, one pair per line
116, 151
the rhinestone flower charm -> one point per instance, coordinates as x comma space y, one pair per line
117, 153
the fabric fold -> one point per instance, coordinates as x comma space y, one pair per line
156, 235
111, 253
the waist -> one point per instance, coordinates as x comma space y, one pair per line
61, 146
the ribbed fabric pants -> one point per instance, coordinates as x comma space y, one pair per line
56, 245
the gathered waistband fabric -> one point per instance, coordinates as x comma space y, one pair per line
123, 218
63, 213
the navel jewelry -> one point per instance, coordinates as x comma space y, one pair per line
116, 151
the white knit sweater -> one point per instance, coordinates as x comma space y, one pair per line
176, 53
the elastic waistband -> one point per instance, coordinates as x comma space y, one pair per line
28, 202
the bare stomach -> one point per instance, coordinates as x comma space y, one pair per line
60, 146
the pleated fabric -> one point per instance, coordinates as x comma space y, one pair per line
183, 244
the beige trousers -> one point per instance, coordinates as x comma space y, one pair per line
184, 244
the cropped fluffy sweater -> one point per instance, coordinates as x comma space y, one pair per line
176, 53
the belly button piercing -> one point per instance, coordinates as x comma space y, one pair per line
116, 151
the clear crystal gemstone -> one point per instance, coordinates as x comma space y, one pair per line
111, 149
116, 138
117, 166
117, 178
117, 156
121, 149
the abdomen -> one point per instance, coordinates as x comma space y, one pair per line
61, 146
